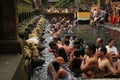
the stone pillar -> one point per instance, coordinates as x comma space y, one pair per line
9, 42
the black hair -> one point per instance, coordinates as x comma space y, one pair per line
110, 40
103, 49
62, 53
80, 40
55, 29
76, 63
56, 65
55, 39
73, 36
67, 42
77, 53
77, 46
52, 44
76, 42
92, 47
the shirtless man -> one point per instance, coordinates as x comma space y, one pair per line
89, 66
53, 48
57, 40
58, 33
106, 68
67, 48
117, 66
99, 42
56, 72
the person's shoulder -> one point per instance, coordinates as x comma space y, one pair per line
118, 62
58, 59
107, 61
94, 59
60, 46
61, 71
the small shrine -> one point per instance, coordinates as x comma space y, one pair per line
52, 6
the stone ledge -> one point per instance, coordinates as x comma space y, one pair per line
12, 67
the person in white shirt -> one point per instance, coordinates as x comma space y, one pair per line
111, 48
95, 13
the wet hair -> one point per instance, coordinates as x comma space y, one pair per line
80, 40
67, 42
56, 65
76, 42
103, 49
62, 53
52, 44
92, 47
59, 38
76, 63
73, 36
55, 29
77, 53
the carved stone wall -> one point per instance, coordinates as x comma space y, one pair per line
9, 42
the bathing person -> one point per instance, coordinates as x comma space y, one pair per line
99, 42
111, 49
106, 68
62, 58
82, 46
67, 48
72, 40
90, 66
57, 73
75, 63
53, 48
117, 65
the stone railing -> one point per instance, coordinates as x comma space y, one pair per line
32, 37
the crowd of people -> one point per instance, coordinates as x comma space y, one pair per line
102, 15
115, 15
72, 55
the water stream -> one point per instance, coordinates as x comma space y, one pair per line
40, 73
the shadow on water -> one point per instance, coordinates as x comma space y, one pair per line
90, 34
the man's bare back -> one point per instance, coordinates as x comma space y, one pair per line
68, 50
